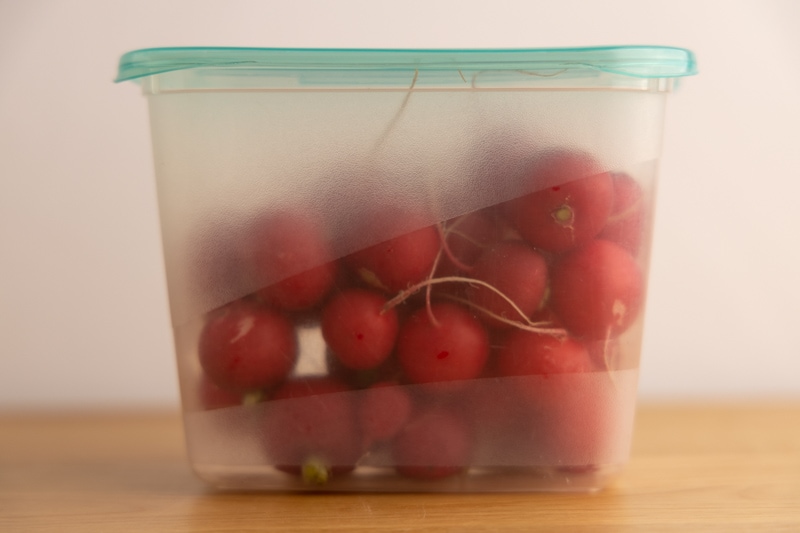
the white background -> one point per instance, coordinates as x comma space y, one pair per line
83, 310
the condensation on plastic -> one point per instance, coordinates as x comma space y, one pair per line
226, 160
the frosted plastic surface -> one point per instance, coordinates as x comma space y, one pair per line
356, 168
226, 159
232, 440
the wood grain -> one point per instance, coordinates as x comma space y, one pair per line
693, 468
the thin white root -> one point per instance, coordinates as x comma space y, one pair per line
559, 333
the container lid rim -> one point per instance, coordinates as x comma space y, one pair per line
640, 61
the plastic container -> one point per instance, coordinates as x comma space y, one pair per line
400, 270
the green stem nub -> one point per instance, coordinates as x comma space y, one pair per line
563, 215
315, 471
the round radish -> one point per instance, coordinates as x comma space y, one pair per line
357, 328
494, 411
389, 370
533, 357
455, 347
571, 207
383, 410
290, 251
467, 237
434, 445
245, 347
625, 225
311, 429
524, 353
213, 397
518, 272
397, 263
574, 426
557, 383
596, 290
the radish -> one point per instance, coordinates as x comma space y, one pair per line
383, 410
574, 423
567, 419
454, 348
524, 353
531, 358
434, 445
213, 397
596, 290
571, 206
244, 347
494, 411
290, 250
311, 429
518, 272
389, 370
466, 237
357, 328
625, 224
399, 262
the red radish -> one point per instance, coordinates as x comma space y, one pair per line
383, 410
244, 347
289, 250
213, 397
311, 429
357, 328
596, 290
434, 445
518, 272
524, 353
572, 205
467, 237
556, 380
397, 263
454, 348
625, 225
533, 357
389, 370
493, 409
574, 425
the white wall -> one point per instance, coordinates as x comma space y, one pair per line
83, 311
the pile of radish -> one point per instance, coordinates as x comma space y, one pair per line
538, 286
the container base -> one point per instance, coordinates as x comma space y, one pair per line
502, 479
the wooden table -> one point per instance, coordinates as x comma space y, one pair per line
694, 468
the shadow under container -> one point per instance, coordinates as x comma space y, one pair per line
407, 270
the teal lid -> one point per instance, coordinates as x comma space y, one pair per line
633, 61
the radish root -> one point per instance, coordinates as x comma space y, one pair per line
524, 322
